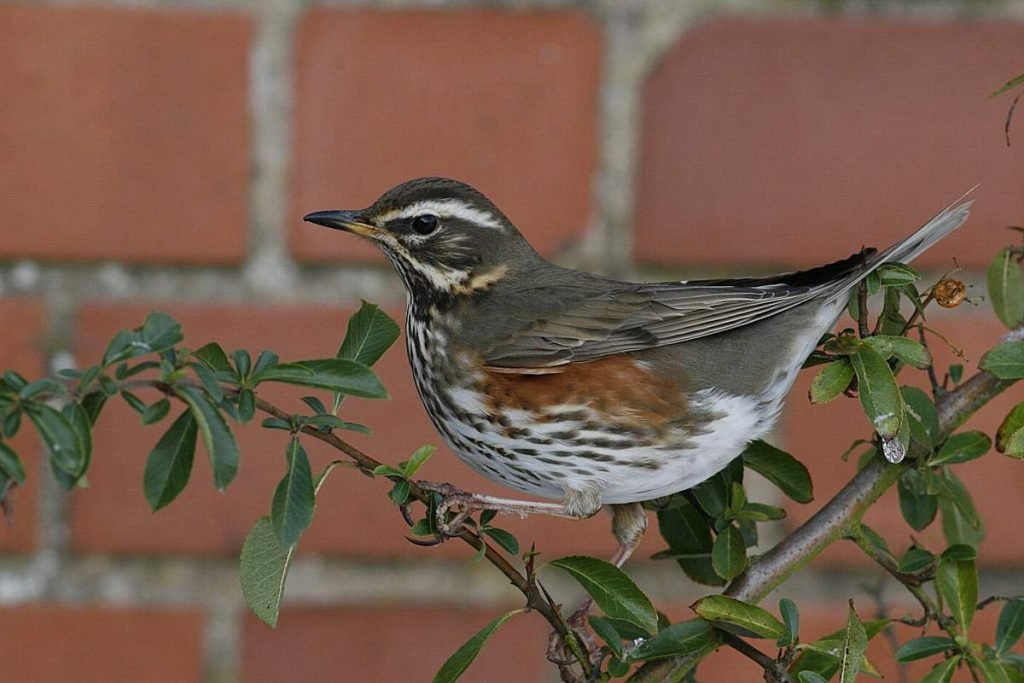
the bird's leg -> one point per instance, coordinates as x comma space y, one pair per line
464, 504
629, 522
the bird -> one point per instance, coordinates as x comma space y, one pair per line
586, 390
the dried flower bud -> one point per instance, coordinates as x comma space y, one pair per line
950, 293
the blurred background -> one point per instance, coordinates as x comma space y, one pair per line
158, 154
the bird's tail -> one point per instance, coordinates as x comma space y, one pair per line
905, 251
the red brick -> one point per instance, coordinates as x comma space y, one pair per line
21, 348
390, 644
504, 100
86, 644
818, 434
794, 142
134, 128
353, 515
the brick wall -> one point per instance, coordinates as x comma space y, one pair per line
159, 155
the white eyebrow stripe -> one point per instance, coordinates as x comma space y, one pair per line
451, 208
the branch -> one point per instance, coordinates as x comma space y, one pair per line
773, 671
841, 513
847, 507
366, 464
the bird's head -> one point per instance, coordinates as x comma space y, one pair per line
444, 237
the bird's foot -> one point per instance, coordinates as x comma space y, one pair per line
453, 509
457, 505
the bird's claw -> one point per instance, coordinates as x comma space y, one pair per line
454, 501
460, 505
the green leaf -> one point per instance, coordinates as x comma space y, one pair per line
159, 332
78, 417
334, 374
921, 416
243, 362
217, 437
961, 447
689, 542
156, 412
729, 553
15, 381
41, 386
335, 423
907, 350
831, 381
855, 642
399, 493
942, 672
919, 648
503, 538
957, 583
93, 403
692, 638
612, 590
137, 404
781, 469
212, 356
915, 561
760, 512
956, 527
1009, 85
811, 677
265, 360
262, 571
823, 655
457, 664
605, 630
1005, 361
952, 489
417, 460
880, 398
170, 462
1011, 625
916, 504
1006, 288
246, 405
315, 404
713, 493
370, 333
10, 465
209, 381
292, 509
276, 423
791, 619
11, 423
1010, 435
897, 274
960, 552
60, 437
991, 672
739, 617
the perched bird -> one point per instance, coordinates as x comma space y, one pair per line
584, 389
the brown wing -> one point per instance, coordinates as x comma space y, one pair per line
644, 316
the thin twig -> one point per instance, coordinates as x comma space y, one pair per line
366, 464
862, 310
846, 508
770, 666
911, 582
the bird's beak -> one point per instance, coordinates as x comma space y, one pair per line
349, 221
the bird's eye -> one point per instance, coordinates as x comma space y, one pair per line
424, 224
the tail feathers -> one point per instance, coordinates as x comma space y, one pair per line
913, 246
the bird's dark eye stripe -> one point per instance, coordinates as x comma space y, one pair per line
424, 224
